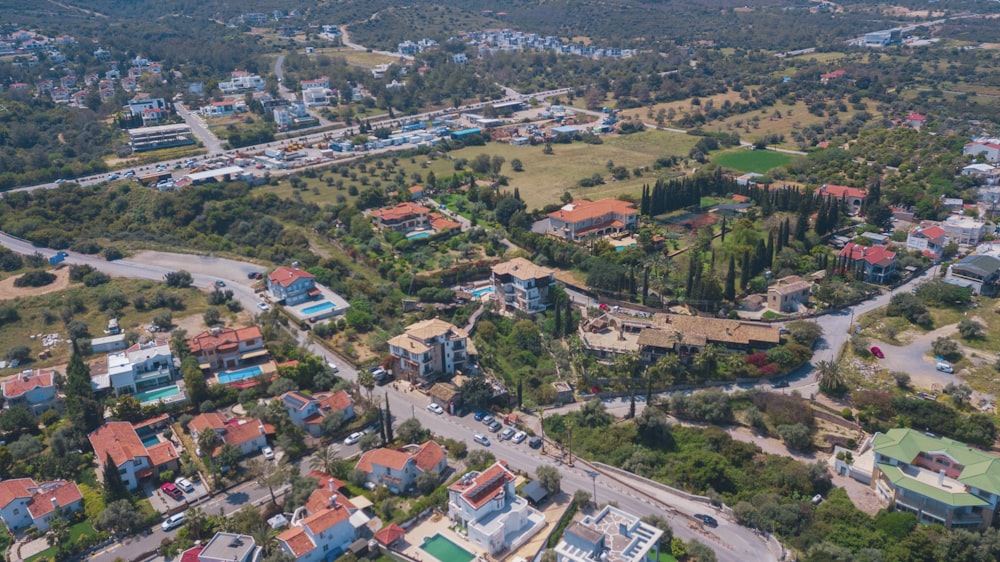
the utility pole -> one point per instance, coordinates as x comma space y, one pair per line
593, 476
569, 435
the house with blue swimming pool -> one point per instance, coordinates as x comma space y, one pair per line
227, 348
145, 366
292, 286
519, 284
427, 349
136, 461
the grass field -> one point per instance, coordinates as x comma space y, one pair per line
360, 58
759, 161
83, 528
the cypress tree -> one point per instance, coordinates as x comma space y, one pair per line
730, 291
387, 421
520, 394
557, 309
769, 251
114, 486
745, 271
722, 238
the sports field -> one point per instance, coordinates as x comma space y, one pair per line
760, 161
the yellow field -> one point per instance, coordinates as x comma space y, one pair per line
362, 58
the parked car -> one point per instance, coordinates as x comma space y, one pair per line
535, 442
432, 407
780, 384
220, 283
487, 419
877, 352
353, 438
255, 275
263, 306
480, 415
494, 427
944, 367
481, 439
113, 177
519, 437
378, 372
184, 484
333, 367
171, 490
707, 519
268, 453
174, 521
507, 433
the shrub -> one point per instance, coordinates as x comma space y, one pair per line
35, 278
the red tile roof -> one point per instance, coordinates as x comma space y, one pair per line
13, 489
583, 210
390, 534
932, 232
210, 420
320, 500
18, 385
297, 540
875, 255
64, 493
390, 458
400, 212
285, 276
162, 453
237, 434
916, 117
325, 519
485, 486
428, 456
191, 554
334, 402
223, 339
118, 439
842, 191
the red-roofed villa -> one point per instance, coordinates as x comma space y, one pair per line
874, 264
291, 285
24, 503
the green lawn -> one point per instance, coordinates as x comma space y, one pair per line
666, 557
83, 528
760, 161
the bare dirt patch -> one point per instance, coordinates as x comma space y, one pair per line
8, 291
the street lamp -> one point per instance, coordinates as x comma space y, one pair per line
593, 476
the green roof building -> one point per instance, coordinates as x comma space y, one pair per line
940, 480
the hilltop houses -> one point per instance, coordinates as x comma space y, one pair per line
872, 264
611, 535
248, 435
226, 348
292, 285
852, 197
35, 390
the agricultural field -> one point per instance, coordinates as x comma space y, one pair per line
759, 161
356, 57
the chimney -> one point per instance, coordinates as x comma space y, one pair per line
333, 500
332, 487
941, 478
55, 503
261, 428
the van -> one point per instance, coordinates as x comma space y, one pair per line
944, 367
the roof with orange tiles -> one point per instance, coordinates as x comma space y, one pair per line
334, 402
13, 489
285, 276
484, 486
429, 455
390, 534
389, 458
440, 223
152, 421
191, 554
64, 493
19, 385
297, 540
840, 72
400, 212
325, 519
237, 434
222, 339
916, 117
842, 191
875, 255
582, 210
162, 453
118, 439
930, 232
210, 420
414, 189
320, 500
521, 268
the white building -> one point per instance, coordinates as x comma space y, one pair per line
497, 519
428, 348
964, 230
613, 535
242, 81
521, 285
134, 460
142, 366
308, 411
988, 149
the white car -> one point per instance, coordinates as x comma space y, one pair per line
184, 484
435, 408
173, 521
519, 437
353, 438
263, 306
334, 367
268, 453
481, 439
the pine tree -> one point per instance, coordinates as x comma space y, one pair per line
730, 292
388, 421
769, 251
114, 486
568, 323
520, 390
381, 424
78, 377
722, 238
645, 283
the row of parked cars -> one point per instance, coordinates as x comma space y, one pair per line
503, 433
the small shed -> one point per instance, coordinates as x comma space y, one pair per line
390, 534
534, 492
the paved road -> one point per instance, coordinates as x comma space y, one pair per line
208, 139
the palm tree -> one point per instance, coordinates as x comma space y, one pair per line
830, 376
265, 537
324, 460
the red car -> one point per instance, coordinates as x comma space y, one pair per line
877, 352
171, 490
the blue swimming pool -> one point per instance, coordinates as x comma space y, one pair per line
150, 440
227, 377
325, 305
419, 235
482, 291
155, 395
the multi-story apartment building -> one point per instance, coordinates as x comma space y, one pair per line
427, 349
521, 285
583, 218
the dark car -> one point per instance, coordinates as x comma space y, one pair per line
480, 415
877, 352
494, 427
535, 442
707, 519
780, 384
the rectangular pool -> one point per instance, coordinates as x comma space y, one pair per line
443, 549
157, 394
325, 305
418, 235
150, 440
482, 291
227, 377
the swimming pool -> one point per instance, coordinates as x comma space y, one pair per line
158, 394
227, 377
150, 440
444, 550
325, 305
482, 291
418, 235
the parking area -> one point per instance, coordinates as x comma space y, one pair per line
166, 505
